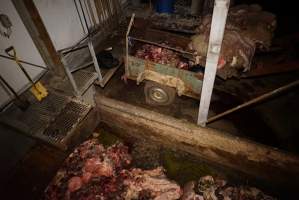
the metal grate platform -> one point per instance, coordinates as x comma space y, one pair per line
53, 120
64, 124
83, 79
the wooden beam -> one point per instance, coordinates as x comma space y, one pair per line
33, 23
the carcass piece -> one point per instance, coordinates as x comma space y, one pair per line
210, 188
161, 55
91, 171
189, 193
247, 28
119, 155
235, 56
249, 21
154, 182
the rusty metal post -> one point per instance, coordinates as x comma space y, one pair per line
216, 36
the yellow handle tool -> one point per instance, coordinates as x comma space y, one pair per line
37, 89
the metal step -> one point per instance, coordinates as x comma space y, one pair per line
53, 120
83, 79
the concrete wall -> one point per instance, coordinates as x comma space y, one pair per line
26, 50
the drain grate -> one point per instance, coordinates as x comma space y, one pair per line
53, 120
36, 122
61, 129
53, 104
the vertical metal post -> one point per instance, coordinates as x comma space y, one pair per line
127, 44
216, 36
70, 76
94, 59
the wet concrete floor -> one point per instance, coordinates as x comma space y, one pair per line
272, 122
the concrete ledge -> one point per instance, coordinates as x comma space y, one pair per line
243, 155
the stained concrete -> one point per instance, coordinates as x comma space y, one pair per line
250, 122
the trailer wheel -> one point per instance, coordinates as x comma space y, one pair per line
157, 94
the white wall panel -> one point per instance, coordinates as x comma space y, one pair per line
61, 21
25, 48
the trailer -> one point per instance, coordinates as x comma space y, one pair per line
162, 81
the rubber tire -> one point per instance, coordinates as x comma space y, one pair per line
171, 93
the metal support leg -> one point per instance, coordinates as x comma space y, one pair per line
70, 76
216, 36
94, 59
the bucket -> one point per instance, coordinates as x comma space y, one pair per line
165, 6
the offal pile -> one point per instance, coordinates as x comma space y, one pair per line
95, 172
161, 55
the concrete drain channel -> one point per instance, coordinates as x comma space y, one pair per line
53, 120
258, 161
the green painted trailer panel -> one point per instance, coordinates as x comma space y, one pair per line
192, 83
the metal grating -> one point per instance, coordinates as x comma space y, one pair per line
61, 129
53, 120
83, 79
53, 104
36, 122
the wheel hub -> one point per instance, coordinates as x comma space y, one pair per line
158, 95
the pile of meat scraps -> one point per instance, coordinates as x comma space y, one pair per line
161, 55
95, 172
210, 188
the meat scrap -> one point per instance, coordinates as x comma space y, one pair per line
248, 28
95, 172
152, 181
161, 55
210, 188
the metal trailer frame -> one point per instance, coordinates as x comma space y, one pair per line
215, 42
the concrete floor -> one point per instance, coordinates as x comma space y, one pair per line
14, 146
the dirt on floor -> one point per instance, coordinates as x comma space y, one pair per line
264, 122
